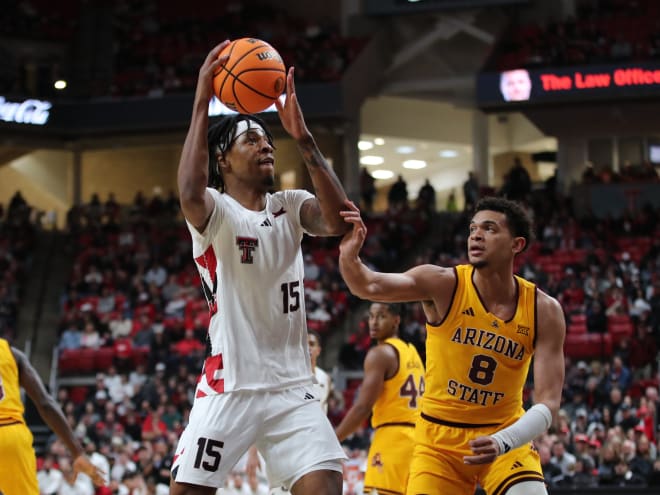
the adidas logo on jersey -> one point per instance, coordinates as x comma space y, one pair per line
308, 396
266, 223
469, 312
516, 465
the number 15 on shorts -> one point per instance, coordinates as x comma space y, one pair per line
208, 454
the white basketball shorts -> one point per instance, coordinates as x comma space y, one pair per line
289, 428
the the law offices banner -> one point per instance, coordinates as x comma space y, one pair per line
529, 87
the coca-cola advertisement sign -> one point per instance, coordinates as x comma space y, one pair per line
30, 111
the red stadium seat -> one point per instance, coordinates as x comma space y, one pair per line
588, 345
76, 362
620, 331
574, 328
617, 320
104, 358
578, 318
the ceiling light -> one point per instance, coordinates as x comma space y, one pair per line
414, 164
365, 145
382, 174
405, 150
372, 160
448, 154
379, 141
60, 84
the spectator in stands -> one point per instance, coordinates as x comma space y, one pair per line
581, 449
451, 205
160, 348
471, 191
153, 425
49, 476
171, 287
156, 274
619, 376
355, 349
426, 197
626, 417
90, 337
367, 189
17, 205
397, 197
189, 349
583, 476
596, 317
551, 472
518, 184
70, 338
562, 458
643, 351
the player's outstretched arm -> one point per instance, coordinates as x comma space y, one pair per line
193, 172
52, 414
421, 283
320, 216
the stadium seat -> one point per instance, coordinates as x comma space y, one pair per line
578, 318
588, 345
620, 331
575, 328
77, 361
104, 358
617, 320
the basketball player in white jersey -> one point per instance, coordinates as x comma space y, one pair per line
323, 383
257, 385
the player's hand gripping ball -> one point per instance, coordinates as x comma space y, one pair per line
252, 78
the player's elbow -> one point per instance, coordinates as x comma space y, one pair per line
336, 227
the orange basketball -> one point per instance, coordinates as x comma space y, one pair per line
252, 78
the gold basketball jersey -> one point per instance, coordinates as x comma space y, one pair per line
401, 396
11, 406
477, 363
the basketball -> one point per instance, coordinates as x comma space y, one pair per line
252, 78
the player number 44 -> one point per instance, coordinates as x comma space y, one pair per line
410, 389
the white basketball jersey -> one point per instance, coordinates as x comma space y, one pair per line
251, 267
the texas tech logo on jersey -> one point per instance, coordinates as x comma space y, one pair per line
247, 245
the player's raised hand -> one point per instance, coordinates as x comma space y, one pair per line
354, 239
290, 112
210, 68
